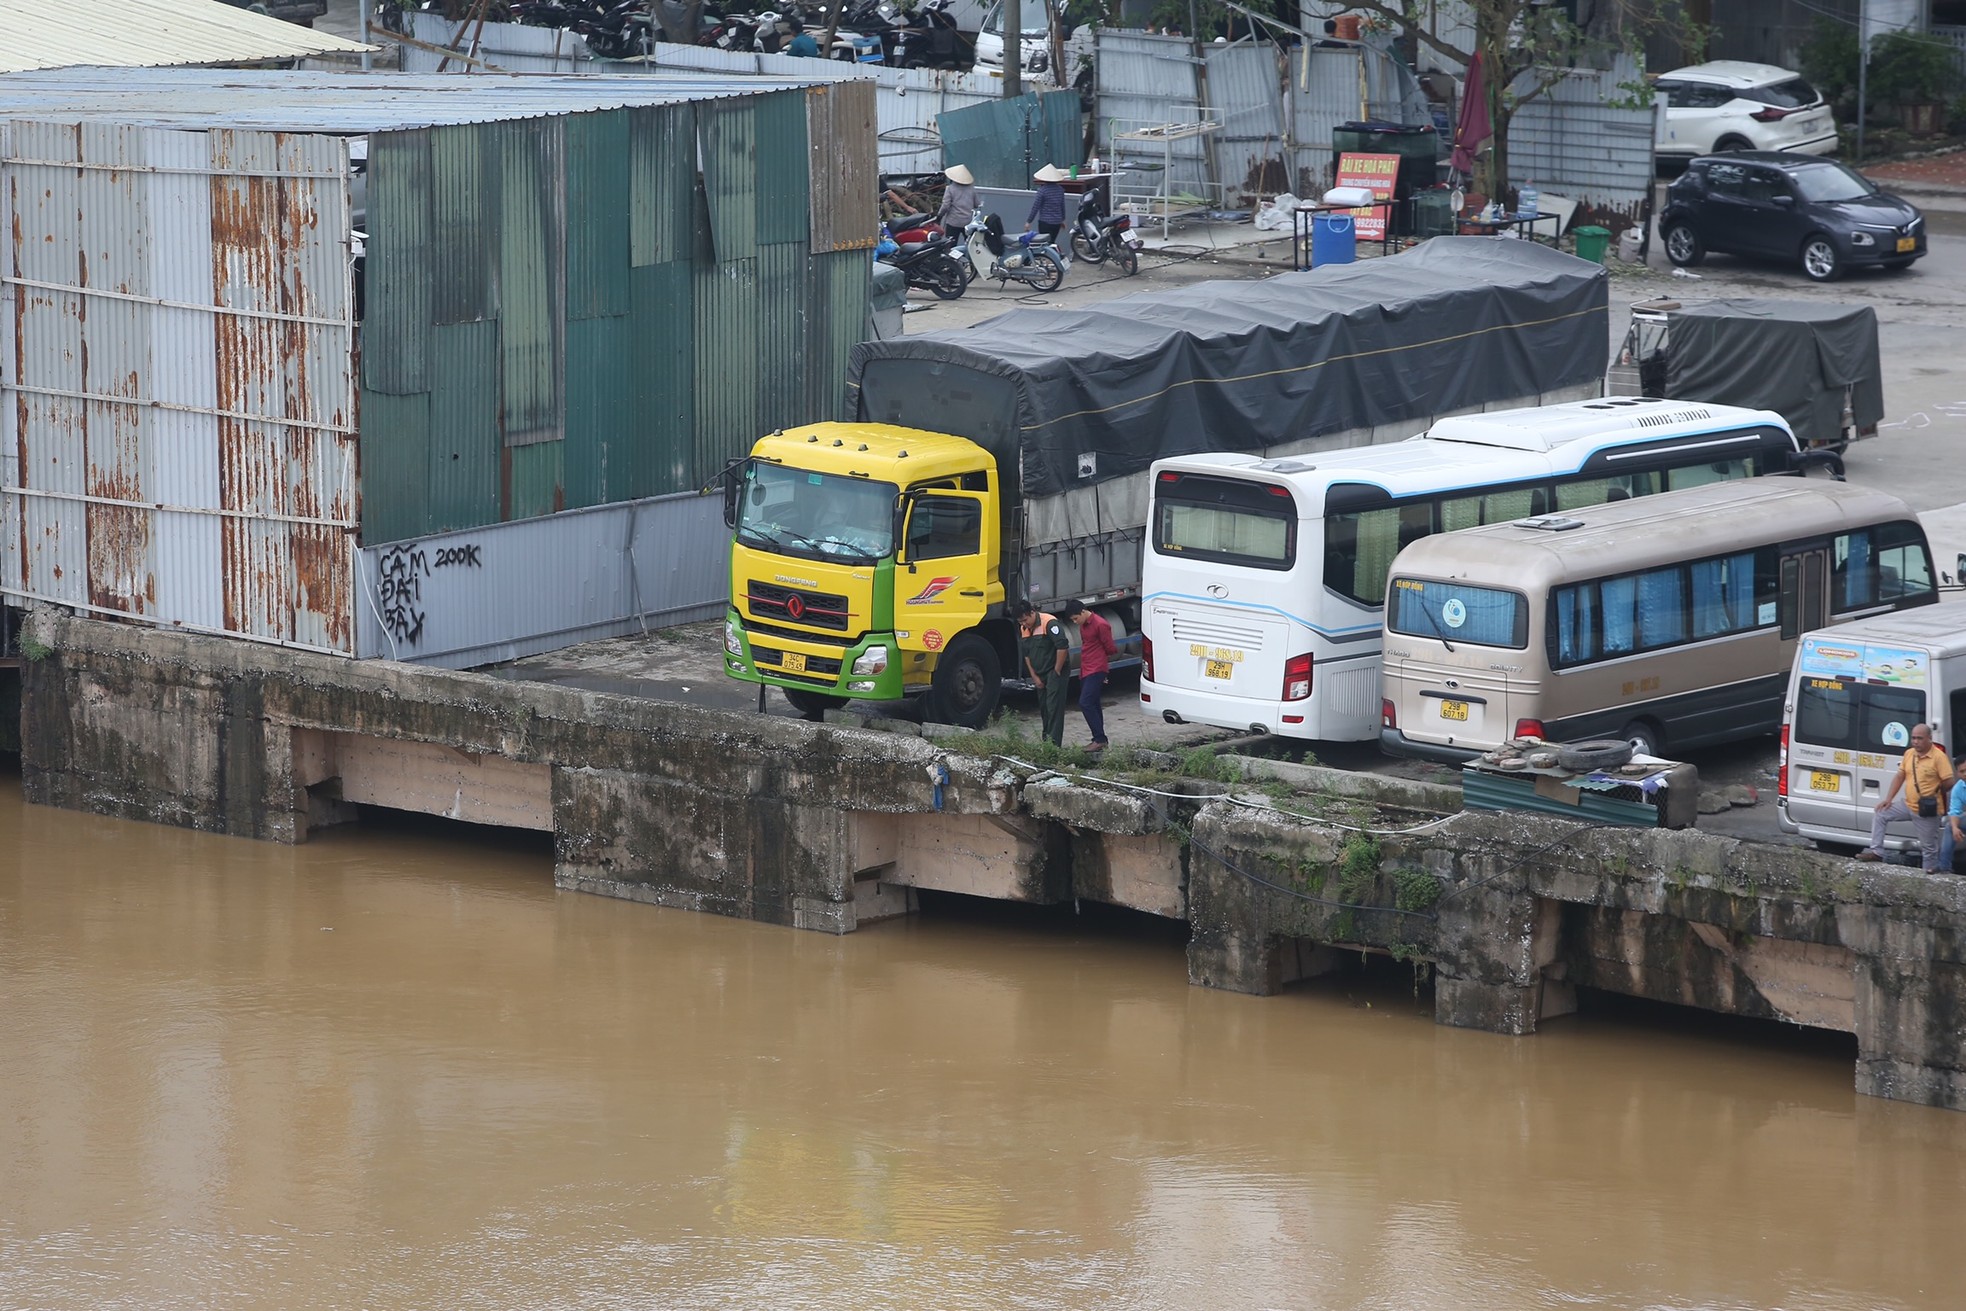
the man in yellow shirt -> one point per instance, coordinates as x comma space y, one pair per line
1924, 777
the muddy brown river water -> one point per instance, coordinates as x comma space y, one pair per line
395, 1068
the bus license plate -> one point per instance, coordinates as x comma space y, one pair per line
1454, 710
1823, 780
1219, 668
1907, 243
795, 662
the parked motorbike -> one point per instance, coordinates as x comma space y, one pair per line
1097, 234
928, 38
1027, 258
933, 265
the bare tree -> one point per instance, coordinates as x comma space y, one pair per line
1526, 47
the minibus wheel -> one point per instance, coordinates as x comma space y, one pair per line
1643, 738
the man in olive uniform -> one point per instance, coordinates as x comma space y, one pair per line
1043, 647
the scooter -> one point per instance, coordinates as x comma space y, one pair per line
1027, 258
933, 264
1096, 234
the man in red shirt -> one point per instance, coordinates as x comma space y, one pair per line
1096, 652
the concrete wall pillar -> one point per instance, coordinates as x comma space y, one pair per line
1910, 992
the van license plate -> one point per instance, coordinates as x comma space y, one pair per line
1907, 243
1823, 780
1219, 668
1454, 710
795, 662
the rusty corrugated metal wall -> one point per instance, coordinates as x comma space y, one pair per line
179, 409
565, 312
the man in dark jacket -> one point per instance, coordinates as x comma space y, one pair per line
1043, 648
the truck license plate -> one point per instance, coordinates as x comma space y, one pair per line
1454, 710
1823, 780
1907, 243
795, 662
1219, 668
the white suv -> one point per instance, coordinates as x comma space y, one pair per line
1731, 105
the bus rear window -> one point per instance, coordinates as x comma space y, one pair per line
1455, 612
1853, 716
1225, 520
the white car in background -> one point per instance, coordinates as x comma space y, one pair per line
1033, 46
1732, 105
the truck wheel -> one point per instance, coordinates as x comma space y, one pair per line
811, 704
1599, 753
968, 681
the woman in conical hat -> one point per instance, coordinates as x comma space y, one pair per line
1048, 206
958, 199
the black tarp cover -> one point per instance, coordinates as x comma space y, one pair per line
1791, 356
1240, 366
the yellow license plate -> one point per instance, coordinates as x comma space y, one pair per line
795, 662
1907, 243
1454, 710
1823, 780
1219, 668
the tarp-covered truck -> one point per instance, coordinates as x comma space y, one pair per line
879, 558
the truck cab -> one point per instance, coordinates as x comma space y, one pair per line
866, 564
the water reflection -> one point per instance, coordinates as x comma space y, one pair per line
396, 1068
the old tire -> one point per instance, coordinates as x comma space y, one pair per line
968, 681
1727, 145
1819, 258
1598, 753
1683, 245
811, 704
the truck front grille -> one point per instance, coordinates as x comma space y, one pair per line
813, 609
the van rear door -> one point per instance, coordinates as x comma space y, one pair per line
1849, 728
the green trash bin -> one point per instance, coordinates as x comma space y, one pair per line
1591, 242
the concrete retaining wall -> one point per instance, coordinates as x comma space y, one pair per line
831, 826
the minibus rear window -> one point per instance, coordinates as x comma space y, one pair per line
1455, 612
1851, 716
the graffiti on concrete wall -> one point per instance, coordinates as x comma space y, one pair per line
401, 573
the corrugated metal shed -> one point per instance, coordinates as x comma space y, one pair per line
555, 313
150, 34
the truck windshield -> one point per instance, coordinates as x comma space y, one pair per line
820, 516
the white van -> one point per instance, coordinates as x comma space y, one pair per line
1854, 693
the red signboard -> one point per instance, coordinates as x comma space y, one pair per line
1376, 173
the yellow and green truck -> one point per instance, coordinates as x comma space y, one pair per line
879, 558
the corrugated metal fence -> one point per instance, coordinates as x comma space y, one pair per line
182, 423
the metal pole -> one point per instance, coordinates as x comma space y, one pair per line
1863, 72
1013, 49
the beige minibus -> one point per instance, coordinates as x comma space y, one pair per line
1670, 621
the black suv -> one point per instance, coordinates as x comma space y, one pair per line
1788, 207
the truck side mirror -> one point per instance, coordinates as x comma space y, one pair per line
730, 502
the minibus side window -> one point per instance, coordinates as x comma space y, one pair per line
1699, 475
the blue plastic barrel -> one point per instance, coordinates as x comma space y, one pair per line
1334, 240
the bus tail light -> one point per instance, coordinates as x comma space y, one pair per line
1297, 677
1529, 728
1147, 653
1388, 715
1782, 765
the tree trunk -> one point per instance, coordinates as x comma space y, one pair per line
1499, 63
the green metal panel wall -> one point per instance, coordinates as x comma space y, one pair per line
464, 227
662, 183
399, 253
1004, 141
464, 445
565, 312
662, 369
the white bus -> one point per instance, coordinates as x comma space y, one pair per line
1265, 579
1669, 622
